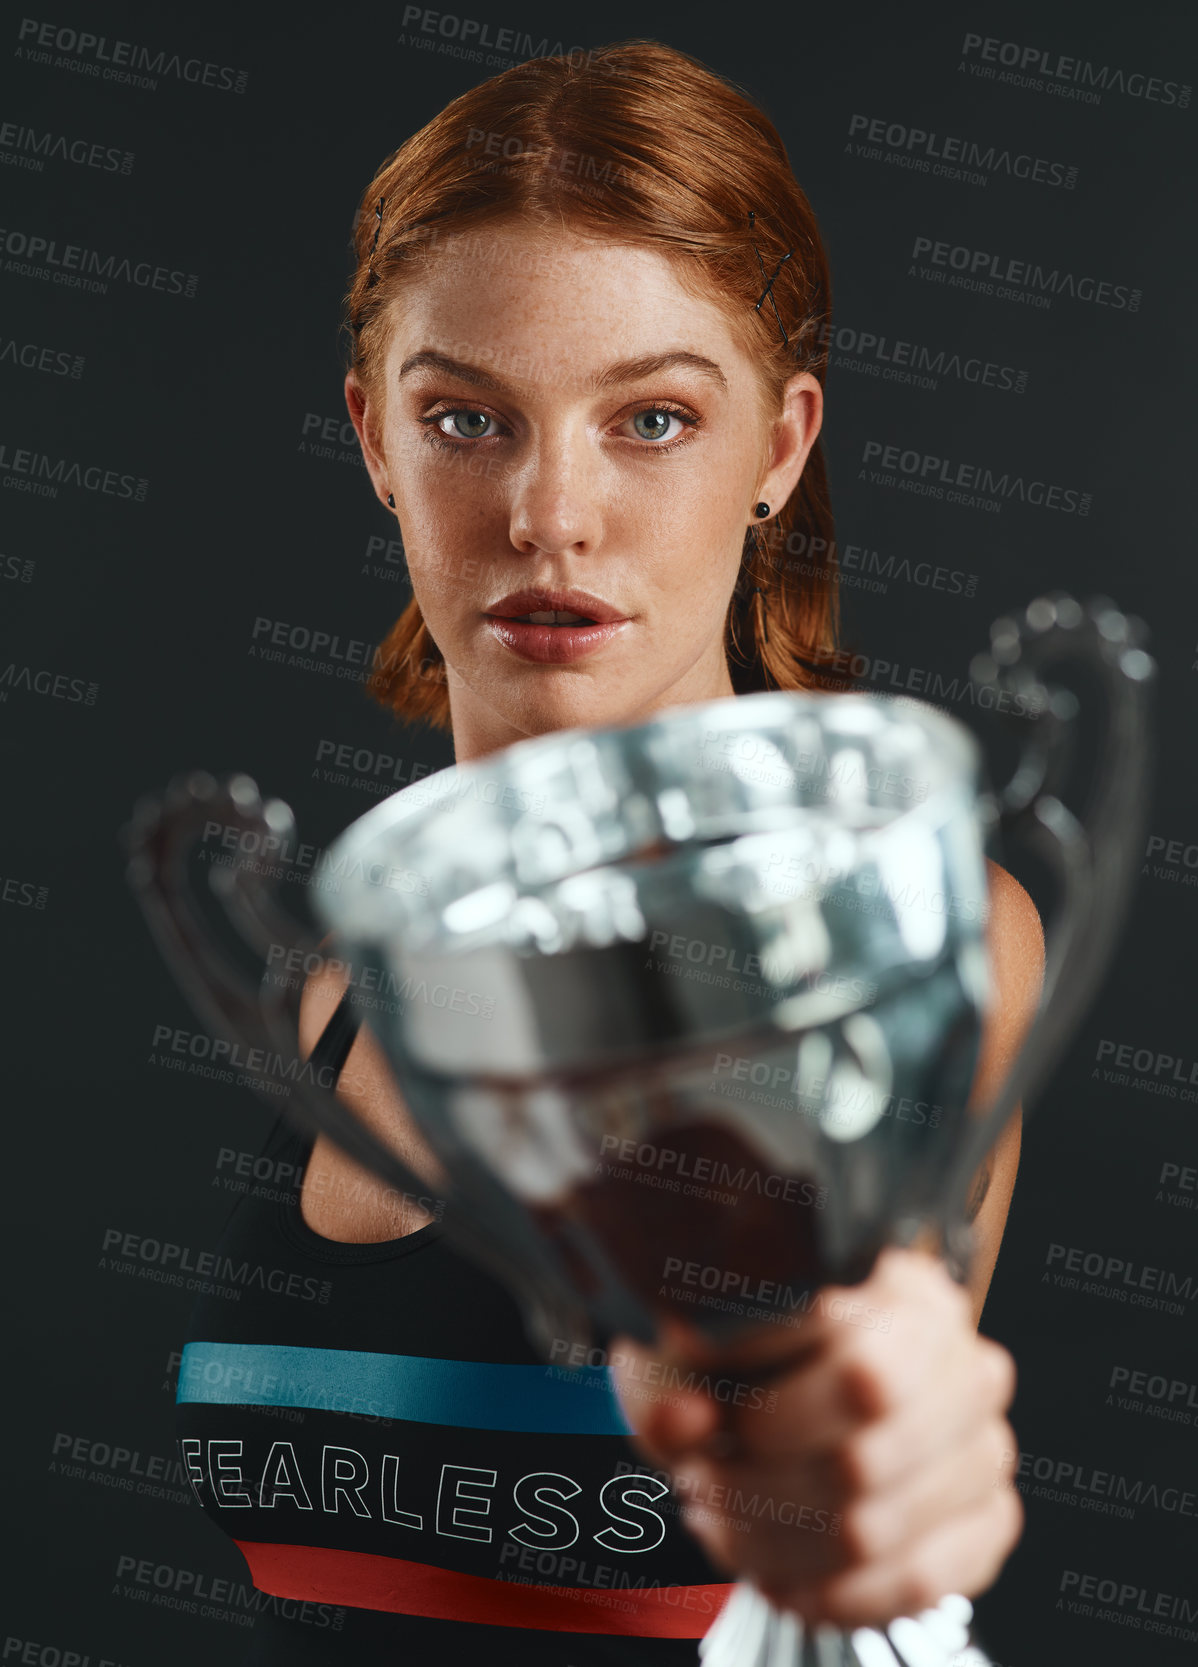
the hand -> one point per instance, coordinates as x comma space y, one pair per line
892, 1436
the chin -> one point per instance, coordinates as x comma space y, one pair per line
584, 706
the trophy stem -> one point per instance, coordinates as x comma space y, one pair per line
750, 1632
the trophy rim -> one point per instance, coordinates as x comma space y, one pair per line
507, 769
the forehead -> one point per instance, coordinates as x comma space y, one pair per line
556, 305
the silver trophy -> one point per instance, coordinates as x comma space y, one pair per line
745, 937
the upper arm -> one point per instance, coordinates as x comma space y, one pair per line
322, 991
1015, 940
343, 1200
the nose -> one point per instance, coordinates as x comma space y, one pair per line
555, 503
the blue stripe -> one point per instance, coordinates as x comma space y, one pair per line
471, 1394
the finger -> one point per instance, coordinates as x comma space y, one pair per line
770, 1370
872, 1416
667, 1418
750, 1524
888, 1453
904, 1288
728, 1505
877, 1526
965, 1555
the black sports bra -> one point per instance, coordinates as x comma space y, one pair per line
404, 1474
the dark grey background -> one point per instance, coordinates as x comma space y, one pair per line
155, 601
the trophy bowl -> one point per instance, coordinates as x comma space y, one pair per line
741, 946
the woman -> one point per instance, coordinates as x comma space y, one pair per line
588, 314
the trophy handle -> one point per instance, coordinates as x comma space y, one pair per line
1091, 854
158, 840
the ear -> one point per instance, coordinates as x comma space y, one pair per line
367, 427
794, 433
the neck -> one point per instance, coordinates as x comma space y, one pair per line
479, 730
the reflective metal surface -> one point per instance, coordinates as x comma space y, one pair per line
690, 1011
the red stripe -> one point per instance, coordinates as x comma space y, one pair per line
363, 1580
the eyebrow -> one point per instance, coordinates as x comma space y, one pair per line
625, 370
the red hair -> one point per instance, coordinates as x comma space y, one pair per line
643, 144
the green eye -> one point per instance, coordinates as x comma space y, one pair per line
651, 425
469, 424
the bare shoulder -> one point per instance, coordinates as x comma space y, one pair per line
321, 993
1015, 932
1015, 939
340, 1200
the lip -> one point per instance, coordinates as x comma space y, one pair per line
554, 645
537, 601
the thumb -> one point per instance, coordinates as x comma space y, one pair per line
667, 1418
